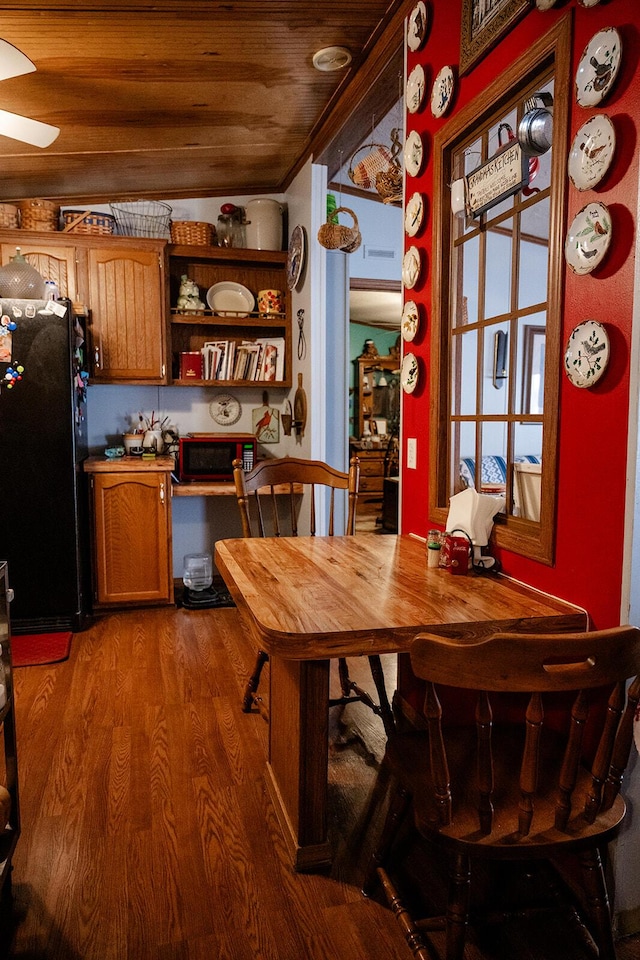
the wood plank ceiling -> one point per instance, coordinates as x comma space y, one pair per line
186, 99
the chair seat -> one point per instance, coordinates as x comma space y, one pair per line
406, 754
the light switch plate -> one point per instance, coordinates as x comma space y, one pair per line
412, 453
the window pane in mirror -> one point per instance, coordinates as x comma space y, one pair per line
534, 254
530, 364
464, 359
498, 281
463, 456
527, 470
467, 263
494, 457
495, 380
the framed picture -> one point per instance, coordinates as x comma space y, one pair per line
484, 22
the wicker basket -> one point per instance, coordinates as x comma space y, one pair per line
335, 236
389, 185
142, 218
87, 222
8, 215
193, 232
363, 173
39, 215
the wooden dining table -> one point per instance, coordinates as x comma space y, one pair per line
308, 600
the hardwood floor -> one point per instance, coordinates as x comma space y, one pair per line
146, 830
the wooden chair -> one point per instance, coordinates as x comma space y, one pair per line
274, 489
532, 776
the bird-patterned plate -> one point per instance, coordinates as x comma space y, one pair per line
587, 353
588, 238
591, 152
598, 67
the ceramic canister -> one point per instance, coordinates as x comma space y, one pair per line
264, 224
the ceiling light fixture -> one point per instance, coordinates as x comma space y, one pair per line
331, 58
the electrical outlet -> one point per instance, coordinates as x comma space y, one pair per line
412, 453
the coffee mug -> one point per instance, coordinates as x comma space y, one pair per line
270, 301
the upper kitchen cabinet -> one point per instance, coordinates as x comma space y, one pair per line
127, 327
52, 262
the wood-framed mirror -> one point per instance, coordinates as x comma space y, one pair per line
497, 304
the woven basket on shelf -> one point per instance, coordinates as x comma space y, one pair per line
87, 222
196, 233
39, 215
8, 215
335, 236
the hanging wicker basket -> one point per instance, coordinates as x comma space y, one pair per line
363, 172
333, 235
389, 184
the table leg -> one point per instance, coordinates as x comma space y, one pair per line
298, 757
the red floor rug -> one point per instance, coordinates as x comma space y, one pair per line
32, 649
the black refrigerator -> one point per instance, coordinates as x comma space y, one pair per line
43, 442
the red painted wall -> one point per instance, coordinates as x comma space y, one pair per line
593, 422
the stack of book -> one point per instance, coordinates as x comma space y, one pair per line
260, 359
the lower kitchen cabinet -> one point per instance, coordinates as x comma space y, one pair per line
131, 505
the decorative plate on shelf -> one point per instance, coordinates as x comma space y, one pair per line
295, 257
598, 67
442, 92
414, 214
225, 409
230, 299
417, 26
410, 320
413, 153
545, 4
587, 353
411, 266
416, 85
588, 238
591, 152
588, 3
409, 373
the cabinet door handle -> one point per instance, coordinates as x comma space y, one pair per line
96, 357
161, 492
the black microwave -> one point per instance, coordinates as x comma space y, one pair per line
210, 456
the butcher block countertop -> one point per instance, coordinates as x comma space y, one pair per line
128, 465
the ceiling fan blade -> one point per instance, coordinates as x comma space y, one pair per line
13, 63
28, 131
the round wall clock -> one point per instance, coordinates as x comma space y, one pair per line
225, 409
295, 257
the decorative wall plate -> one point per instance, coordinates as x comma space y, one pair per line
417, 26
409, 373
413, 153
225, 409
295, 257
598, 67
591, 152
416, 85
588, 3
411, 266
587, 353
442, 92
545, 4
410, 320
414, 214
588, 238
